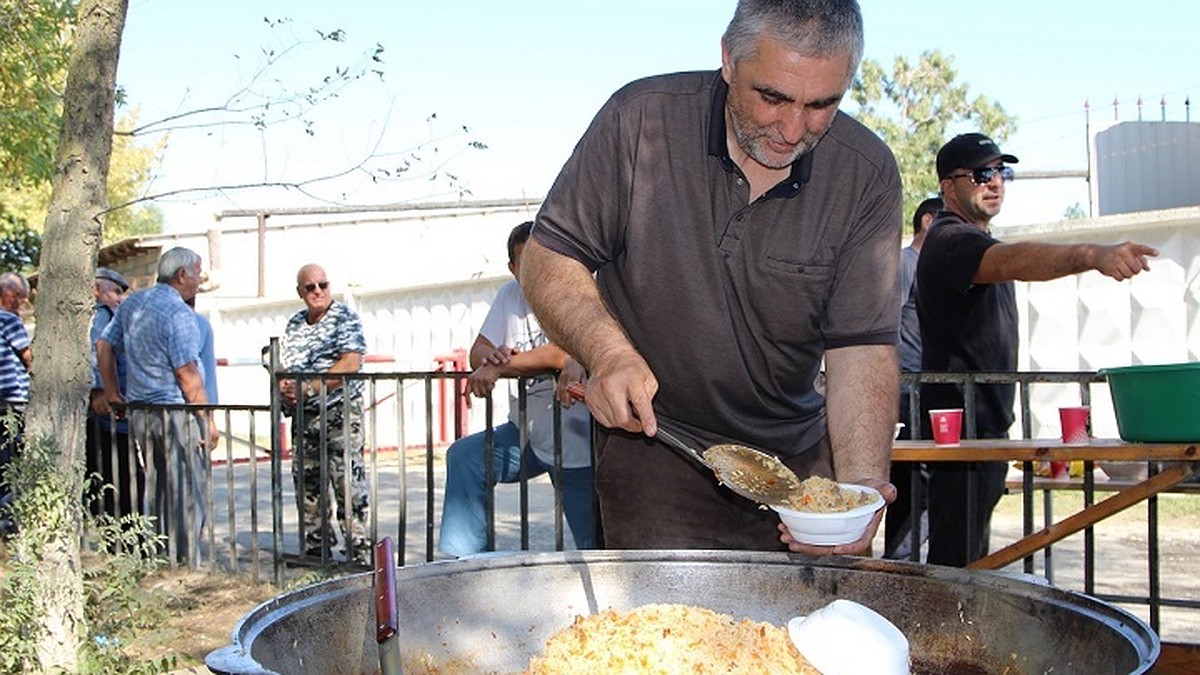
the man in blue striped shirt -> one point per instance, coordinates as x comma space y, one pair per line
15, 357
15, 360
155, 331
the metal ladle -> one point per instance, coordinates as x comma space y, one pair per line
751, 473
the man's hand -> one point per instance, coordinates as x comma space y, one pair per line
287, 389
567, 301
499, 356
860, 547
107, 405
1124, 260
482, 380
621, 390
572, 373
210, 441
209, 436
106, 360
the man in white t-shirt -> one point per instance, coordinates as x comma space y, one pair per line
511, 344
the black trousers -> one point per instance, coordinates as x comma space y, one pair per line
962, 496
12, 435
117, 481
899, 520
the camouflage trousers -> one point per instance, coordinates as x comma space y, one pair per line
343, 429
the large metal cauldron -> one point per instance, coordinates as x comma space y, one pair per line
491, 614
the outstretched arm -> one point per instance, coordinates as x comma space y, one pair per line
564, 295
1034, 261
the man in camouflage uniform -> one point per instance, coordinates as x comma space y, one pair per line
326, 337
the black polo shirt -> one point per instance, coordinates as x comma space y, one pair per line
965, 326
732, 303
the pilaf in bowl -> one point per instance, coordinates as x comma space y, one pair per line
825, 513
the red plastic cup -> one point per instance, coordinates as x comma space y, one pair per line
947, 426
1060, 470
1074, 420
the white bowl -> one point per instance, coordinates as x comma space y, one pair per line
846, 638
1124, 470
830, 529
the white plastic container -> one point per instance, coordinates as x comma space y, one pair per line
847, 638
831, 529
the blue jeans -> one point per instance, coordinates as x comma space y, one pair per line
464, 512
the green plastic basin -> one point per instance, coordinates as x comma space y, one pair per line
1156, 404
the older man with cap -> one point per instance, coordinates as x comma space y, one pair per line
117, 479
968, 313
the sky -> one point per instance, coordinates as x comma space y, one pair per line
485, 100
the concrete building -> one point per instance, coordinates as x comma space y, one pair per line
1144, 166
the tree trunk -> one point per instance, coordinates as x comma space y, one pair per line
71, 243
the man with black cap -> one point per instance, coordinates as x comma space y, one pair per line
967, 307
114, 491
109, 288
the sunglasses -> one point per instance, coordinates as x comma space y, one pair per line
984, 175
309, 288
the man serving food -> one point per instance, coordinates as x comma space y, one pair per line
742, 231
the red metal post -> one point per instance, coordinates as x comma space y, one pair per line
451, 394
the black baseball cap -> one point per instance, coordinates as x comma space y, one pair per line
968, 151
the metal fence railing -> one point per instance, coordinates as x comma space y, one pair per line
249, 516
241, 513
1026, 386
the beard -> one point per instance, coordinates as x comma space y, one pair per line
755, 141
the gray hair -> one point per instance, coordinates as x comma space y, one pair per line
815, 28
174, 260
11, 281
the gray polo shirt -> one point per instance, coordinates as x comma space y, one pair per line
732, 303
910, 326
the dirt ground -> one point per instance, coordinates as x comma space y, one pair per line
202, 611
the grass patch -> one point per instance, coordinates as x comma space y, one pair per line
1171, 506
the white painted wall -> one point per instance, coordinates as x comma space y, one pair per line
422, 283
